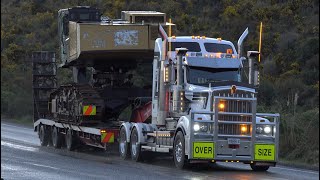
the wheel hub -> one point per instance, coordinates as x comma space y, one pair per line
178, 151
134, 145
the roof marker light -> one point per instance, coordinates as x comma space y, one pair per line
192, 37
219, 39
203, 37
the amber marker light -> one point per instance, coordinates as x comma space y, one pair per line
221, 106
243, 129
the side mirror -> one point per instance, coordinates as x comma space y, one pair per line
243, 59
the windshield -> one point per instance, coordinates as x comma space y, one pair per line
199, 75
215, 48
191, 46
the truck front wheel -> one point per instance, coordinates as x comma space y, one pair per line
259, 168
135, 146
179, 151
123, 144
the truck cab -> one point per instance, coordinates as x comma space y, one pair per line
202, 111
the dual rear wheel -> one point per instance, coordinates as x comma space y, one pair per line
132, 149
48, 135
57, 138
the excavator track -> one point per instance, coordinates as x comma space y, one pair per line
77, 104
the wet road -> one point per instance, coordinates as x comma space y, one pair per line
22, 157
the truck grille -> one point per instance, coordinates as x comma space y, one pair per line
235, 106
234, 129
238, 106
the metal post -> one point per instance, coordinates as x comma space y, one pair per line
250, 70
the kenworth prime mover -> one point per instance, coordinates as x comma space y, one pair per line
197, 107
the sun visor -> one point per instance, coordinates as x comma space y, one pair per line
213, 62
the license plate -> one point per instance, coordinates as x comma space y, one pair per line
233, 141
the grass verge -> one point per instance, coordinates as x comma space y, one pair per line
25, 120
298, 164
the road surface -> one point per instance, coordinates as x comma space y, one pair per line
22, 157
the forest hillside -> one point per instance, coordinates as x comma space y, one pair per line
290, 53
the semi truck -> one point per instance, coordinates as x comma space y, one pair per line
197, 107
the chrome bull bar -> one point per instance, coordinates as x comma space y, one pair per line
213, 134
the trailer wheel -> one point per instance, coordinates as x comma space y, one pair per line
259, 168
123, 144
179, 151
135, 146
56, 138
43, 136
70, 140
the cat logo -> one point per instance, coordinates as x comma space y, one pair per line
233, 89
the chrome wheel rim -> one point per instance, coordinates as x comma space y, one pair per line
69, 139
178, 151
122, 144
41, 134
54, 137
134, 145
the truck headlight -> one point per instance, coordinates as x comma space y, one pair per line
196, 127
264, 130
267, 129
259, 130
203, 127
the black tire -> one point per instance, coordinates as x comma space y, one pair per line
70, 140
56, 138
259, 168
43, 136
135, 146
123, 144
179, 154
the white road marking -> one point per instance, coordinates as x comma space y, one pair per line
40, 165
21, 147
297, 170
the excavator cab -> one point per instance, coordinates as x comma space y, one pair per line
76, 14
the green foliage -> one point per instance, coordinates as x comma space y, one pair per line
302, 136
290, 52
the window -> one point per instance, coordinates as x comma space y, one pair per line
215, 47
191, 46
84, 16
200, 75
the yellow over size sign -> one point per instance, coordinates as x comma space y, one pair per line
264, 152
204, 150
